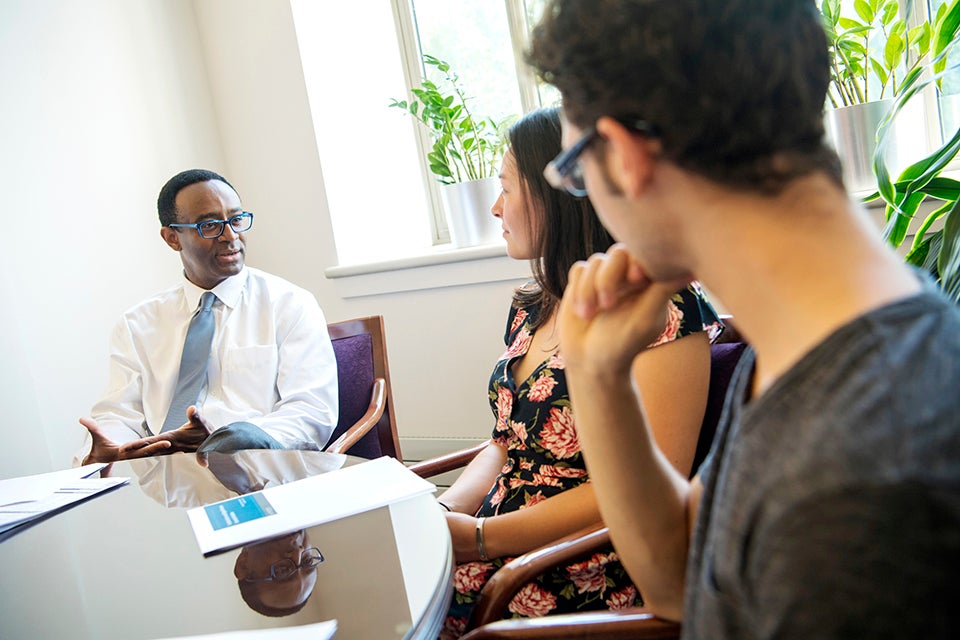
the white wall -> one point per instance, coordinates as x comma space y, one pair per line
103, 101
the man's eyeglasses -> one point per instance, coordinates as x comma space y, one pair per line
564, 171
286, 568
214, 228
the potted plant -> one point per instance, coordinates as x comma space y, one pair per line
465, 156
937, 252
872, 53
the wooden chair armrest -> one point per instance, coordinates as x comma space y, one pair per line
448, 462
510, 578
378, 402
627, 624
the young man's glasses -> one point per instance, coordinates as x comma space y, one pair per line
214, 228
286, 568
564, 171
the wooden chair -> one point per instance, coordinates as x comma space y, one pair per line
449, 462
367, 425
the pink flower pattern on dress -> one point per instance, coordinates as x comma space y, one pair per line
519, 345
520, 429
542, 388
504, 408
622, 599
555, 361
532, 601
471, 576
543, 481
590, 575
559, 435
518, 319
453, 627
500, 494
562, 472
674, 320
536, 498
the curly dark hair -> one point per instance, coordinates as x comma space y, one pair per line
166, 201
737, 87
568, 227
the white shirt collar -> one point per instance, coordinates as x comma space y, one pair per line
228, 292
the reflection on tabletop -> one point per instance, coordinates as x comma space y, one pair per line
277, 576
187, 480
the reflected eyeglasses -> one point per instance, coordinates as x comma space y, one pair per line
214, 228
286, 568
564, 172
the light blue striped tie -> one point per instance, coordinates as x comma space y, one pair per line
193, 363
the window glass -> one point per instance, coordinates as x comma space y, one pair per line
381, 204
373, 182
475, 39
950, 88
549, 96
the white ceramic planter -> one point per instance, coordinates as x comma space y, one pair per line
467, 206
852, 131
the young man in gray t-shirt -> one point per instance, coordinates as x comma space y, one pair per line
829, 505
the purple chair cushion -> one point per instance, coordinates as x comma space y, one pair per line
723, 361
355, 374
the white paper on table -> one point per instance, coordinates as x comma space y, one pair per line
305, 503
316, 631
29, 497
40, 485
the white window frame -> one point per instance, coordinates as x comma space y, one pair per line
919, 12
413, 72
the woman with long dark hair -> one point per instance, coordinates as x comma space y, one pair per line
530, 485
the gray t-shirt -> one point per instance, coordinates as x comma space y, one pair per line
831, 504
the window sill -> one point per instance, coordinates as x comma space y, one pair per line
442, 267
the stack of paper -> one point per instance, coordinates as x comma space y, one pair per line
28, 498
304, 503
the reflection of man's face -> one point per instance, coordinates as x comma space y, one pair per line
271, 596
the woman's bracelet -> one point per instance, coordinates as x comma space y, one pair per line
444, 505
481, 547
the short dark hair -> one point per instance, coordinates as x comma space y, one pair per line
736, 87
167, 200
568, 227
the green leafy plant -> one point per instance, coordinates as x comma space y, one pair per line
937, 252
869, 53
465, 146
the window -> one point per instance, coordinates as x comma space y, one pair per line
949, 99
356, 57
374, 186
484, 43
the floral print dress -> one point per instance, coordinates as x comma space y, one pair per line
535, 424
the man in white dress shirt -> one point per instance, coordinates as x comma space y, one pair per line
271, 379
